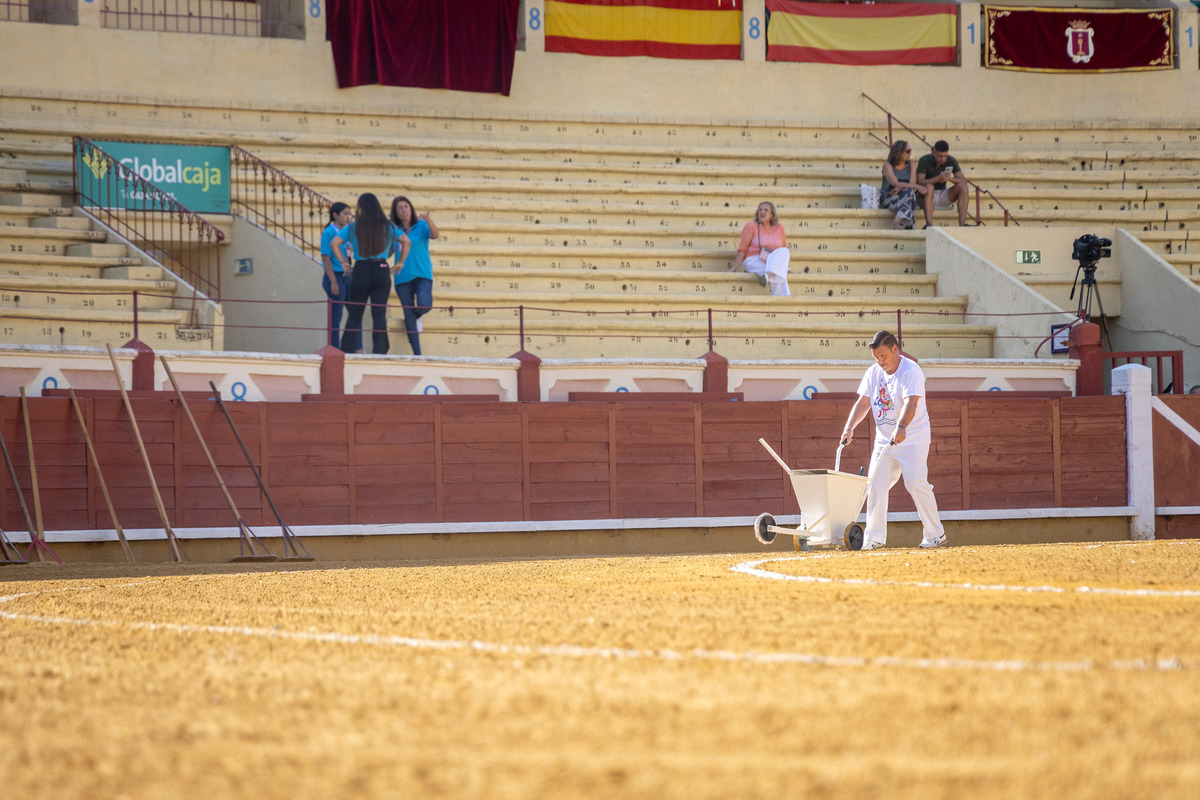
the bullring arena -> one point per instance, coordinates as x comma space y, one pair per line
524, 558
991, 671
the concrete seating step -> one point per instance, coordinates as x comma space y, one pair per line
57, 266
63, 223
461, 216
84, 293
144, 272
27, 184
613, 258
723, 235
98, 250
35, 199
52, 241
17, 216
446, 192
160, 328
751, 170
779, 337
576, 284
548, 305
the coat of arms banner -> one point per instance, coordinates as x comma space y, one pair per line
1078, 39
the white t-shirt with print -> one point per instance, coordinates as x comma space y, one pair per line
887, 394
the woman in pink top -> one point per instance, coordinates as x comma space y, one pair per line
763, 251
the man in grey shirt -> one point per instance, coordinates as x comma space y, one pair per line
941, 169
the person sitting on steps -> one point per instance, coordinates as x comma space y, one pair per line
900, 189
940, 171
763, 250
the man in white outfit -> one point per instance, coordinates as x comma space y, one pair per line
894, 391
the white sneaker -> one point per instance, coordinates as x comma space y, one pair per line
420, 326
872, 546
929, 544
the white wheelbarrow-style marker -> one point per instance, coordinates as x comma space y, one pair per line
830, 502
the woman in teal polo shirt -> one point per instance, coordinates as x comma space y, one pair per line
336, 281
375, 241
414, 282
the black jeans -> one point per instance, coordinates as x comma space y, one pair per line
371, 280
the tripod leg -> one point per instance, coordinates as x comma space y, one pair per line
1103, 317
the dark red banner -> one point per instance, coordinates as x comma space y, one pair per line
468, 45
1078, 39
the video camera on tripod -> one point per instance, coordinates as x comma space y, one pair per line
1088, 251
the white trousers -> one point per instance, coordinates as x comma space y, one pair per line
775, 267
907, 460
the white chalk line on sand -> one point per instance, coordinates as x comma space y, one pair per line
577, 651
753, 568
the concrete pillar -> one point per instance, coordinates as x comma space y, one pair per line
143, 365
716, 372
1083, 343
333, 371
529, 376
1133, 381
534, 26
89, 14
754, 31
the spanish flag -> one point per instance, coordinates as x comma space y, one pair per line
700, 29
862, 35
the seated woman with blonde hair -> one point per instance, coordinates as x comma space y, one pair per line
763, 250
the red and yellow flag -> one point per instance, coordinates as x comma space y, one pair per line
700, 29
862, 35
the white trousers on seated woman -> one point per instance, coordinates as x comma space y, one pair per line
775, 267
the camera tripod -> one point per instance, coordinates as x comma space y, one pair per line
1089, 289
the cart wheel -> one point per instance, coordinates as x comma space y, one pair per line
761, 524
854, 536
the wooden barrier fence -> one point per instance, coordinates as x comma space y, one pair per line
362, 461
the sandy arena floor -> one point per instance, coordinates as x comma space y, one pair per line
1059, 671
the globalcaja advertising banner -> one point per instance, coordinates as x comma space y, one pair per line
197, 177
1078, 39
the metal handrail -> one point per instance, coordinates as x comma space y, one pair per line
154, 221
276, 202
1175, 381
979, 190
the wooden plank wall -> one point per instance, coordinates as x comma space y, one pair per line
364, 462
1177, 467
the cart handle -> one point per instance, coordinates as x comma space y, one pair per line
775, 455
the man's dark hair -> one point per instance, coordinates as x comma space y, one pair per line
884, 339
941, 146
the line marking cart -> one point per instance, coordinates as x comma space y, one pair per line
830, 502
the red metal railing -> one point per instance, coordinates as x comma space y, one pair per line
277, 203
179, 239
979, 190
703, 327
1174, 377
50, 12
265, 20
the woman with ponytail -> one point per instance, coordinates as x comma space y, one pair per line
374, 241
